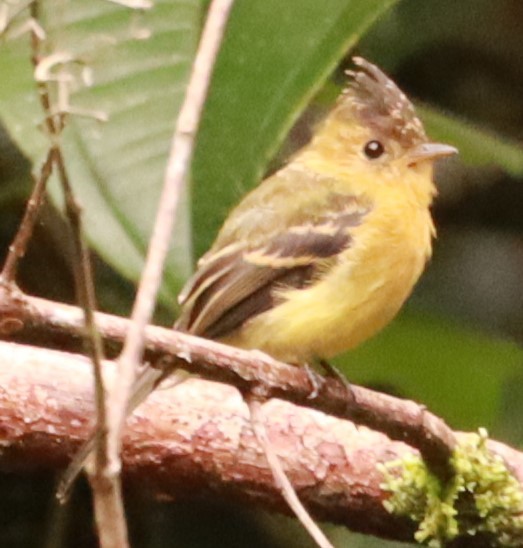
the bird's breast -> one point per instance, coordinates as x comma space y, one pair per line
354, 298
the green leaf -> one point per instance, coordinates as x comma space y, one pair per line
140, 63
476, 146
458, 373
275, 57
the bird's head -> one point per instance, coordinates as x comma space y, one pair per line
374, 129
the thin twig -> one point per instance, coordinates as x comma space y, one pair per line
86, 297
280, 477
107, 495
84, 283
53, 126
83, 270
108, 503
18, 247
177, 168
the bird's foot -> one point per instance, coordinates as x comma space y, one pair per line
335, 373
315, 380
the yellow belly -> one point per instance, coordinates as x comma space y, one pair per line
355, 299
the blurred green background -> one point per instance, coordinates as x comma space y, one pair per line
457, 345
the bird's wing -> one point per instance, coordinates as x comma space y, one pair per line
238, 282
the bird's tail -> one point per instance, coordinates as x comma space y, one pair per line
146, 382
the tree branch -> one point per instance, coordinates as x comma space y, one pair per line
196, 439
38, 321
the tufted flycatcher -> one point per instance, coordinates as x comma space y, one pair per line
322, 254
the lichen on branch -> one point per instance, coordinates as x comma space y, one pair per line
483, 497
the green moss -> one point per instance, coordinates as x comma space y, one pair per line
483, 496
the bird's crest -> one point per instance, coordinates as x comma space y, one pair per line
382, 106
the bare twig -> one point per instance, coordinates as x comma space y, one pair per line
86, 298
134, 4
107, 496
176, 172
83, 269
9, 15
280, 477
18, 247
54, 159
38, 321
107, 499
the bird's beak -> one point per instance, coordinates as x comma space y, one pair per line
430, 151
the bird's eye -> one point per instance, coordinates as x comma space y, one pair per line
373, 149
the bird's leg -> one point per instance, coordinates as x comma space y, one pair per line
334, 372
316, 381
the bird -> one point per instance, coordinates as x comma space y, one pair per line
323, 253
